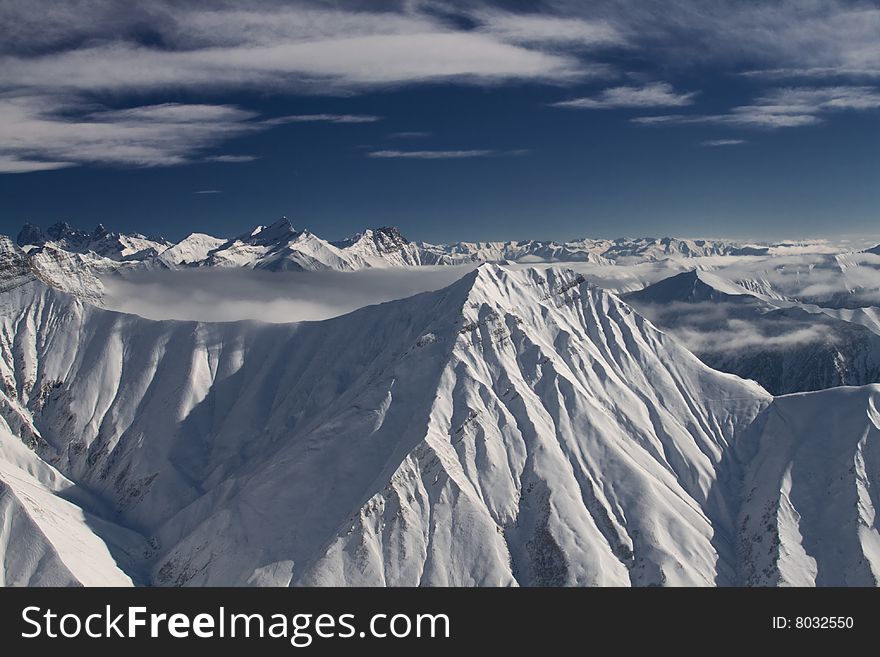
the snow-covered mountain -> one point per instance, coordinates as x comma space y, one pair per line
526, 251
519, 427
100, 242
786, 349
516, 427
809, 510
48, 538
650, 248
282, 247
386, 246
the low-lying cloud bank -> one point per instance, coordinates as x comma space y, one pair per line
220, 295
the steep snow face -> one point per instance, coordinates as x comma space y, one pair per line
190, 250
46, 537
784, 349
810, 492
518, 427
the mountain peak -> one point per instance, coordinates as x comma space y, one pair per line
31, 234
63, 230
281, 230
690, 286
386, 238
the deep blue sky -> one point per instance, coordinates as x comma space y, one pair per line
807, 165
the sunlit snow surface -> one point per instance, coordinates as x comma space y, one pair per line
485, 425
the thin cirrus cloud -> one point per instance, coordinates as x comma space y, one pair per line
722, 142
413, 134
443, 155
57, 60
286, 48
232, 159
37, 135
208, 191
537, 28
657, 94
43, 133
322, 118
789, 107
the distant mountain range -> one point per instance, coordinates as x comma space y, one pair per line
280, 246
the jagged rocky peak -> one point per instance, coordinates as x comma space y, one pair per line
14, 269
31, 235
63, 230
387, 238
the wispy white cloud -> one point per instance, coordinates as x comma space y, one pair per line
61, 55
56, 59
290, 48
824, 37
542, 29
38, 135
656, 94
722, 142
232, 159
789, 107
431, 155
19, 164
740, 334
322, 118
813, 72
445, 155
408, 135
208, 191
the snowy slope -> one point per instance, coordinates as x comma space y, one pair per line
192, 249
46, 538
513, 428
519, 427
809, 514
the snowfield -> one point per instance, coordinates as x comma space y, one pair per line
522, 425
